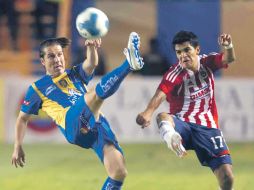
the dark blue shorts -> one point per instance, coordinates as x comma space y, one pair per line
98, 133
208, 143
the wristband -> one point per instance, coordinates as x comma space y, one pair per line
230, 46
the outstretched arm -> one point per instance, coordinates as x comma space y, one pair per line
18, 156
91, 60
225, 40
144, 118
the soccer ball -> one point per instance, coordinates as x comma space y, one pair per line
92, 23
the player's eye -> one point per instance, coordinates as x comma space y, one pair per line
186, 50
51, 56
60, 54
178, 52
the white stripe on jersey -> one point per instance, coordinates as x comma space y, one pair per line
174, 73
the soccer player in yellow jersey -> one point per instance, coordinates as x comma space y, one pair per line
63, 95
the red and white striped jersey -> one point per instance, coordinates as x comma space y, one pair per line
191, 95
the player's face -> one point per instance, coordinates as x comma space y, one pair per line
53, 60
187, 55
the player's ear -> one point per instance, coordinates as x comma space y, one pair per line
197, 50
42, 61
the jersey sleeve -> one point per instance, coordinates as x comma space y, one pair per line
82, 74
166, 85
213, 61
31, 103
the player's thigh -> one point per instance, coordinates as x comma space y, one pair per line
105, 136
93, 102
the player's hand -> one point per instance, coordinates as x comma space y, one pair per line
94, 43
225, 40
18, 157
144, 119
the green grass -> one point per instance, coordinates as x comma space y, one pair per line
150, 167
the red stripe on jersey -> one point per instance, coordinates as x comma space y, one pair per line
208, 121
201, 109
188, 113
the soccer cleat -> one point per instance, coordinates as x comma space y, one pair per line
132, 52
176, 146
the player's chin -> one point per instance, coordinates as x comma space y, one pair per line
187, 65
183, 64
59, 70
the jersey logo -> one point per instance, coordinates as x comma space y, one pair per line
190, 83
73, 95
26, 103
203, 74
50, 89
110, 82
63, 83
202, 93
73, 92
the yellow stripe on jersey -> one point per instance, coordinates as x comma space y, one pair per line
64, 77
53, 109
69, 84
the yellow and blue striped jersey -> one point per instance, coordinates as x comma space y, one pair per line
56, 95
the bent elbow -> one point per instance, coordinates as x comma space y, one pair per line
231, 60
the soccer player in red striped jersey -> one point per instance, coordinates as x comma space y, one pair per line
192, 121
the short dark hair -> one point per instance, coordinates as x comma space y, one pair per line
62, 41
185, 36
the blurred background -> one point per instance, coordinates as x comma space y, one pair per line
25, 23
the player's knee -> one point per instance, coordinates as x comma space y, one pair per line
227, 180
163, 116
120, 173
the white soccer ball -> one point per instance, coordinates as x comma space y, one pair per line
92, 23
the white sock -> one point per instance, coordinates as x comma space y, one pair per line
166, 131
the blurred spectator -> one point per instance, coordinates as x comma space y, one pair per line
7, 8
155, 62
45, 13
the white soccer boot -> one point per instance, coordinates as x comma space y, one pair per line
132, 52
175, 144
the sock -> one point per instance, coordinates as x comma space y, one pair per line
166, 131
111, 81
111, 184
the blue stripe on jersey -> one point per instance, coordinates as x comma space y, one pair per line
77, 83
32, 102
48, 88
